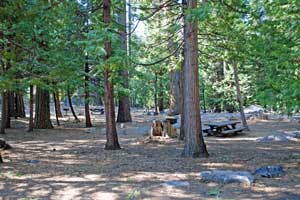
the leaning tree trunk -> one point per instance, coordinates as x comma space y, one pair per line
239, 96
31, 101
194, 142
56, 108
88, 122
71, 106
42, 109
57, 104
124, 102
112, 142
5, 117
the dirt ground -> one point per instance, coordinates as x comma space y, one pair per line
72, 164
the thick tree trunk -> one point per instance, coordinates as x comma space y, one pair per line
239, 96
5, 117
112, 142
124, 101
175, 93
56, 109
88, 122
42, 109
194, 142
20, 107
71, 106
31, 102
57, 104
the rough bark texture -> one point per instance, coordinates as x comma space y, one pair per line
42, 109
175, 93
182, 134
112, 142
194, 143
19, 105
57, 104
160, 99
124, 102
88, 122
31, 101
56, 109
5, 118
71, 106
239, 96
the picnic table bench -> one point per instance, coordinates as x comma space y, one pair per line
223, 128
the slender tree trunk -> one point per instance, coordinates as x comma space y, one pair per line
161, 97
4, 112
239, 96
88, 122
71, 106
11, 103
155, 93
57, 104
182, 134
42, 109
175, 93
194, 142
112, 142
31, 102
124, 101
56, 108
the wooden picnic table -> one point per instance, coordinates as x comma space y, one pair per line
223, 128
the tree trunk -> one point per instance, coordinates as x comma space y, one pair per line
71, 106
155, 94
20, 107
194, 142
124, 101
161, 97
112, 142
31, 102
88, 122
57, 104
56, 108
182, 134
42, 109
175, 93
239, 96
5, 117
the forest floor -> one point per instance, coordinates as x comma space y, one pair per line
69, 162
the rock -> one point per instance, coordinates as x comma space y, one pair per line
296, 134
32, 161
227, 176
177, 183
270, 171
276, 138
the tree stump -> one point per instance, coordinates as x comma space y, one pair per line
156, 128
169, 129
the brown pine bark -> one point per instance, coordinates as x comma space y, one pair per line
19, 105
42, 109
194, 142
57, 104
124, 101
88, 122
31, 102
175, 93
5, 117
239, 96
112, 142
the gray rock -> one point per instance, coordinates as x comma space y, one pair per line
227, 176
276, 138
270, 171
177, 183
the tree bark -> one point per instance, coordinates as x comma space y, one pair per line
42, 109
5, 117
155, 94
239, 96
161, 97
88, 122
19, 105
175, 93
71, 106
112, 142
31, 102
56, 108
57, 104
124, 101
194, 142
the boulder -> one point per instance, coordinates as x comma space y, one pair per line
227, 176
269, 171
